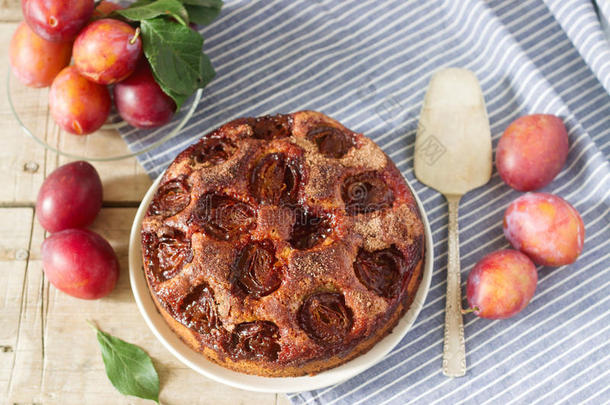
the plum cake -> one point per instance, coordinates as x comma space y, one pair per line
282, 245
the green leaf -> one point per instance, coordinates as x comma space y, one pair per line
178, 98
204, 3
207, 72
174, 53
147, 11
173, 50
202, 15
128, 367
141, 3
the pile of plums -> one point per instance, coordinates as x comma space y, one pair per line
105, 52
76, 260
544, 228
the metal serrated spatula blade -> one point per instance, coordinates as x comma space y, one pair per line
453, 155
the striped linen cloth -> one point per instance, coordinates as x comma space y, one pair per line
367, 64
603, 10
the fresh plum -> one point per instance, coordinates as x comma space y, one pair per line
546, 228
501, 284
531, 152
140, 100
80, 263
71, 197
104, 9
57, 21
34, 60
78, 105
107, 51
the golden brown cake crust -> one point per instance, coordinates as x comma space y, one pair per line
283, 246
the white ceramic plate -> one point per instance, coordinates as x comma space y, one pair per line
211, 370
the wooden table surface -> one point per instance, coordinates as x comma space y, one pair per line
48, 353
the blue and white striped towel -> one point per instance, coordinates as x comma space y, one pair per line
367, 63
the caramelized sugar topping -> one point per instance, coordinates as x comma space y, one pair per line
381, 270
197, 311
213, 150
325, 318
167, 254
223, 217
366, 192
271, 127
255, 340
255, 271
331, 142
309, 229
275, 179
171, 198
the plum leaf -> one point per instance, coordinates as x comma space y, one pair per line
173, 51
202, 12
146, 11
202, 15
174, 54
172, 48
128, 367
206, 71
204, 3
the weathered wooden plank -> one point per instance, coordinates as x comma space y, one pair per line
27, 369
10, 10
282, 400
125, 181
15, 229
74, 372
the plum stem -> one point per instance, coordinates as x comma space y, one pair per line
135, 36
469, 310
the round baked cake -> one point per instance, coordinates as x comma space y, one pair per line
282, 245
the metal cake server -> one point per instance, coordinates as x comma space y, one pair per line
453, 155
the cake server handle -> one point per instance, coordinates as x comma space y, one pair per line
454, 351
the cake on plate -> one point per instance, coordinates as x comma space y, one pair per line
282, 245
